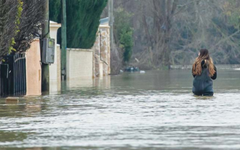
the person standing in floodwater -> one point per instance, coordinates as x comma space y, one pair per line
204, 72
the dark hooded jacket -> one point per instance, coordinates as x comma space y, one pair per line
203, 84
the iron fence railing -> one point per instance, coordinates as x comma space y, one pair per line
13, 75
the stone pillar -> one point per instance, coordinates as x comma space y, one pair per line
105, 48
33, 69
58, 67
54, 71
96, 58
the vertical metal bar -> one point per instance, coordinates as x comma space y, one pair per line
18, 74
0, 80
14, 71
17, 68
24, 74
17, 85
10, 75
18, 63
20, 79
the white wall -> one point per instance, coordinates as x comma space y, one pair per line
79, 64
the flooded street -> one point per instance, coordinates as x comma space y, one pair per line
155, 110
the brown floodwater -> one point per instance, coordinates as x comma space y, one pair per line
155, 110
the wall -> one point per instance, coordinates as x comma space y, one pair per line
85, 64
79, 64
33, 69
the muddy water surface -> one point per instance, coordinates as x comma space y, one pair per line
155, 110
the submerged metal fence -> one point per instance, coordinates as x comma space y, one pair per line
13, 75
4, 79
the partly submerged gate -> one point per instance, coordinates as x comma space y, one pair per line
4, 79
13, 75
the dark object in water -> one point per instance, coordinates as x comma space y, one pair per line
131, 69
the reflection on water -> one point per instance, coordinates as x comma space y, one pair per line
103, 82
155, 110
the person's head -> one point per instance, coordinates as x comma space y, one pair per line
203, 55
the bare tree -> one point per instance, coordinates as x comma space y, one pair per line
172, 31
8, 10
29, 28
31, 23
